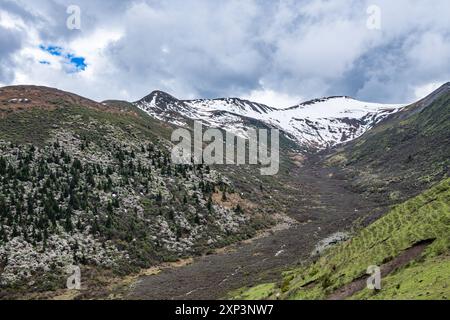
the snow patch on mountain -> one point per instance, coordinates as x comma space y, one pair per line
326, 122
233, 105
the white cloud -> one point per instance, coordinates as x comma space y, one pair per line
9, 21
424, 90
430, 53
273, 99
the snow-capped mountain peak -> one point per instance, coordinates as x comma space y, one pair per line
314, 124
325, 122
165, 107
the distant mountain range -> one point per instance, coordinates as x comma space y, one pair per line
315, 124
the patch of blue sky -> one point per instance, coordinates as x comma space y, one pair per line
76, 63
53, 50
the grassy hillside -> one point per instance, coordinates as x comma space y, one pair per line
423, 219
402, 155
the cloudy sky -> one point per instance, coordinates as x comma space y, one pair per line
275, 52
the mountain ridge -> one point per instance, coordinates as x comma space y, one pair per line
307, 123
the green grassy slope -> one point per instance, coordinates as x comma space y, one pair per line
402, 155
424, 217
428, 279
35, 125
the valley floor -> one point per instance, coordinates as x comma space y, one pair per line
319, 205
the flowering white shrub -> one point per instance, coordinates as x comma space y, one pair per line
21, 259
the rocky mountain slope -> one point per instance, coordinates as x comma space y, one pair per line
316, 124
